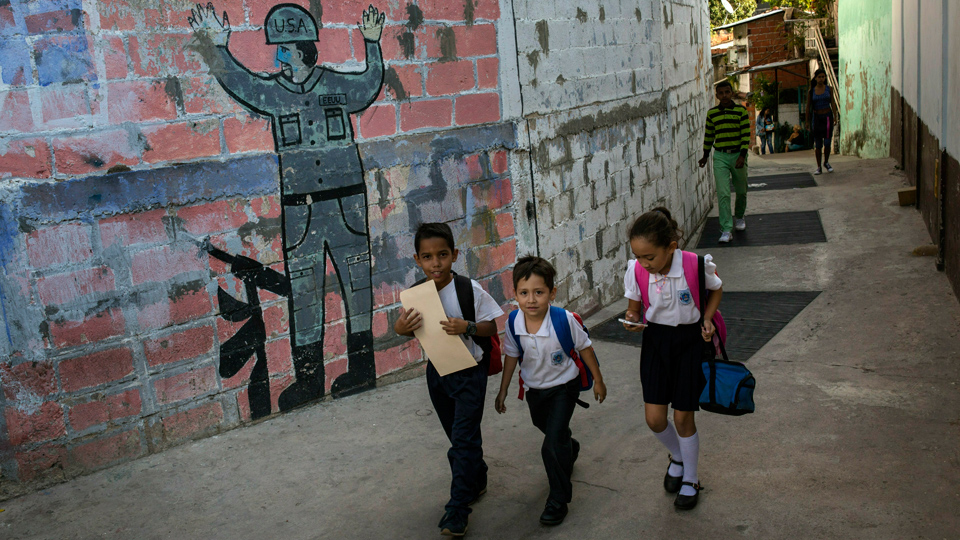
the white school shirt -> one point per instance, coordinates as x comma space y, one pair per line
484, 306
545, 363
673, 305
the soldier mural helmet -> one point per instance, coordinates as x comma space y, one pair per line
288, 23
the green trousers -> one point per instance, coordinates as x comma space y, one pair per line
725, 172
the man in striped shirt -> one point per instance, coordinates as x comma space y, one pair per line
728, 132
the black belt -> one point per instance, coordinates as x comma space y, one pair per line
737, 151
300, 199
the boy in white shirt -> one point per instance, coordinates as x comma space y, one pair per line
458, 397
549, 375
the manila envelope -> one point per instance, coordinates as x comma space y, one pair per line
448, 353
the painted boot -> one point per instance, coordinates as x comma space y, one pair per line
309, 386
361, 370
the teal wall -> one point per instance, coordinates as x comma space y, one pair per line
864, 28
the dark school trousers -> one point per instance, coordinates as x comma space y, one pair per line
458, 399
551, 410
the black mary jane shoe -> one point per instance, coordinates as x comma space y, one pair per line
553, 513
688, 502
672, 483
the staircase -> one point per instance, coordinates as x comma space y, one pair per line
829, 56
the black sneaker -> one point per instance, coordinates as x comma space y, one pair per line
553, 513
453, 523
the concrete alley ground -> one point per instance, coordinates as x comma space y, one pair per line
856, 434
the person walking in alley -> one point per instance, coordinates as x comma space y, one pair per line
765, 130
457, 397
820, 115
550, 374
673, 342
728, 132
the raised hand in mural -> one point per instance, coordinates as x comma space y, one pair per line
372, 24
205, 24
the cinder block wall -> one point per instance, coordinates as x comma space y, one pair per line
614, 98
123, 164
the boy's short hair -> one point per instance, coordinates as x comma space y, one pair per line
433, 230
723, 84
532, 265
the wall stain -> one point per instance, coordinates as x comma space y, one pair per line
638, 14
407, 43
448, 44
603, 14
543, 36
119, 167
406, 38
560, 80
316, 9
581, 15
393, 83
619, 115
414, 17
468, 12
534, 58
94, 161
171, 86
667, 16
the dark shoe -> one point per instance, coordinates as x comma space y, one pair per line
453, 523
553, 513
361, 372
688, 502
672, 483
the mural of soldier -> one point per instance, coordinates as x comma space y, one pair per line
323, 196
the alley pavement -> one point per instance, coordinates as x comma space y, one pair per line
856, 434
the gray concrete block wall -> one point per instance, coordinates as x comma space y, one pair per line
614, 98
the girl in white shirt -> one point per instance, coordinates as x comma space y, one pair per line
673, 342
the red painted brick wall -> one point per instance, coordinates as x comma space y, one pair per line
153, 102
112, 312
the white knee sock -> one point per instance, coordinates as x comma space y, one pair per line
670, 439
690, 446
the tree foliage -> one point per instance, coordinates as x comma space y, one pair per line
745, 8
720, 16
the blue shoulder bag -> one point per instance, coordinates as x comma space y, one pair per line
730, 385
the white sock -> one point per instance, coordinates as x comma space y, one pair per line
690, 446
670, 439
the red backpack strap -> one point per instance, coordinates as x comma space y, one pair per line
643, 283
691, 273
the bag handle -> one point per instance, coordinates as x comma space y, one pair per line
701, 267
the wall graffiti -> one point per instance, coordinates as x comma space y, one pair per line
323, 195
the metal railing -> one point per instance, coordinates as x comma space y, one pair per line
827, 65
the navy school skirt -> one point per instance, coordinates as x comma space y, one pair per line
671, 371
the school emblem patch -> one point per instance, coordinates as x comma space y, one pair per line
557, 358
685, 297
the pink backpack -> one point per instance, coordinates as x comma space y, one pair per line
691, 273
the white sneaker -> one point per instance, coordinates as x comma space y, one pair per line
818, 171
829, 168
740, 224
725, 237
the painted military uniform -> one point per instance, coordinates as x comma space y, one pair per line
324, 202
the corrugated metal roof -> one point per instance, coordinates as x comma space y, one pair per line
773, 65
749, 19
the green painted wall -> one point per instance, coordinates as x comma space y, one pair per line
865, 41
